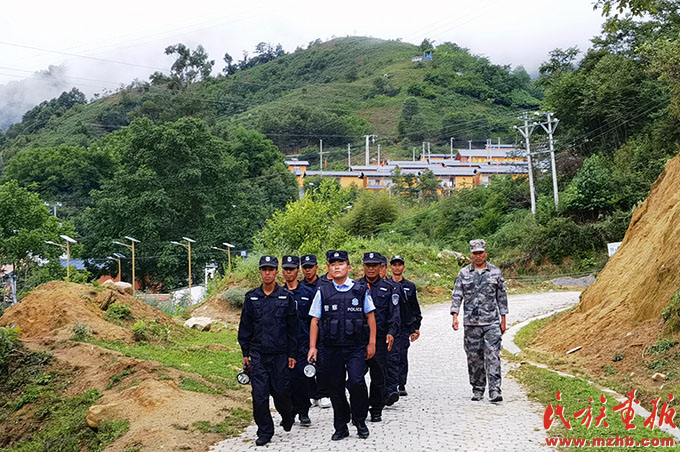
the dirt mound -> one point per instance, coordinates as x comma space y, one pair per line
622, 310
218, 309
50, 311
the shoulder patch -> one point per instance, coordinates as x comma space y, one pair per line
253, 298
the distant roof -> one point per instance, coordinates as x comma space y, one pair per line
296, 162
503, 169
500, 146
334, 173
490, 153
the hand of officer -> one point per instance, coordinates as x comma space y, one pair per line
370, 351
291, 363
311, 355
503, 328
390, 342
415, 336
455, 323
246, 361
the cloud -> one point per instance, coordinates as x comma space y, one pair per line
17, 97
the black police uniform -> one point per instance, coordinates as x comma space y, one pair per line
397, 369
344, 334
386, 301
268, 333
301, 384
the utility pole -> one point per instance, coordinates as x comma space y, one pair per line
451, 148
320, 155
423, 154
378, 154
470, 144
349, 156
429, 152
367, 153
549, 126
526, 133
414, 153
54, 206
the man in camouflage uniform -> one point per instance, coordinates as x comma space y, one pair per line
482, 287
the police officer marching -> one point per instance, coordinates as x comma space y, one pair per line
303, 294
386, 300
482, 288
267, 335
318, 385
411, 317
343, 320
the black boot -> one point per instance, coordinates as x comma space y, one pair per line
362, 430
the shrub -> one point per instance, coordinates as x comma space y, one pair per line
153, 331
118, 312
235, 296
8, 343
81, 332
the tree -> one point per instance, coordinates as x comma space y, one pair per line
230, 68
427, 44
188, 67
370, 212
559, 63
428, 185
411, 124
591, 192
25, 225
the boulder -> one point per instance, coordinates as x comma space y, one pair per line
461, 258
199, 323
109, 283
124, 287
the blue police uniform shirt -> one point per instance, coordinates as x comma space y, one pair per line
315, 309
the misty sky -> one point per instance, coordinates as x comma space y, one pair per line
515, 32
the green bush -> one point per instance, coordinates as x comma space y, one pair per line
81, 332
118, 312
671, 313
235, 296
153, 331
8, 343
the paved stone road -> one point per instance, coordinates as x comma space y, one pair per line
437, 415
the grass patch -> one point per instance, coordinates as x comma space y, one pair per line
118, 312
191, 384
117, 378
526, 335
214, 356
237, 420
64, 427
81, 333
662, 346
542, 385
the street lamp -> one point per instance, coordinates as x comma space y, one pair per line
117, 257
66, 247
228, 251
188, 247
132, 249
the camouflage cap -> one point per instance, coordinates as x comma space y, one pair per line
477, 245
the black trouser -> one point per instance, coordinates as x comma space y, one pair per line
397, 362
302, 385
377, 366
319, 384
350, 361
270, 375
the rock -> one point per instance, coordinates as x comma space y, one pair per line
105, 300
124, 287
460, 257
199, 323
436, 275
658, 377
109, 283
629, 334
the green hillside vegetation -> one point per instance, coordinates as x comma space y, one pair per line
195, 155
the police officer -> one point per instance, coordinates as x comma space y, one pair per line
386, 301
397, 369
344, 321
318, 384
268, 334
481, 286
303, 295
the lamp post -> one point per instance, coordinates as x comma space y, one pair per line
188, 247
66, 247
117, 257
228, 251
132, 249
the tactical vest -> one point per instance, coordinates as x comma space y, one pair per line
343, 322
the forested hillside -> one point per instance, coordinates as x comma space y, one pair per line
191, 154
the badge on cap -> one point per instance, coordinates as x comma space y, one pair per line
336, 254
355, 302
267, 258
307, 258
290, 259
370, 255
395, 299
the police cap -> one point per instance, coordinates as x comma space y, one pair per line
337, 255
290, 262
372, 258
269, 261
397, 258
308, 260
